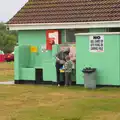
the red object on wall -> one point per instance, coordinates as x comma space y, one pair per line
52, 37
2, 58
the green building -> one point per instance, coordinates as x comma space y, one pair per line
92, 26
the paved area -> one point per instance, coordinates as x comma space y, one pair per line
7, 83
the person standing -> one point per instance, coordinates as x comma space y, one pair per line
68, 70
60, 60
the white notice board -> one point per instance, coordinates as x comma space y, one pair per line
96, 43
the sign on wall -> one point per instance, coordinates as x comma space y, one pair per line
52, 37
33, 49
96, 43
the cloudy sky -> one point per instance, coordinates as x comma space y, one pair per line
8, 8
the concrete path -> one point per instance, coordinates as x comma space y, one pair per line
7, 83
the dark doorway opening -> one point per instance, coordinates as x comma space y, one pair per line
39, 76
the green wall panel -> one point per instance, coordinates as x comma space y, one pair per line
94, 30
16, 64
22, 56
35, 37
27, 74
31, 60
31, 37
49, 71
107, 63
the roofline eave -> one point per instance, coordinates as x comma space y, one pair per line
67, 25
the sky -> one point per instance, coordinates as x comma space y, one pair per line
8, 8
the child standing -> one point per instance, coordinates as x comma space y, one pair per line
68, 70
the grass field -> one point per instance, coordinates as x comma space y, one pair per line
6, 71
36, 102
29, 102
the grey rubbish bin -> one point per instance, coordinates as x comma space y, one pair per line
89, 78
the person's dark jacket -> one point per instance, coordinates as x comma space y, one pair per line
61, 56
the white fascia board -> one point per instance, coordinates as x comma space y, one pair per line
72, 25
101, 33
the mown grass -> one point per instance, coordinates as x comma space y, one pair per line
37, 102
6, 71
29, 102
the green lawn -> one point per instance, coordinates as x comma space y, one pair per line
30, 102
6, 71
36, 102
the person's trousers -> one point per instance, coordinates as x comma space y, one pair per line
58, 66
58, 76
68, 80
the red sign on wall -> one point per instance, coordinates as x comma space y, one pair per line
52, 37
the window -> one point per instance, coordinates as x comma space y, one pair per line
70, 34
113, 29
